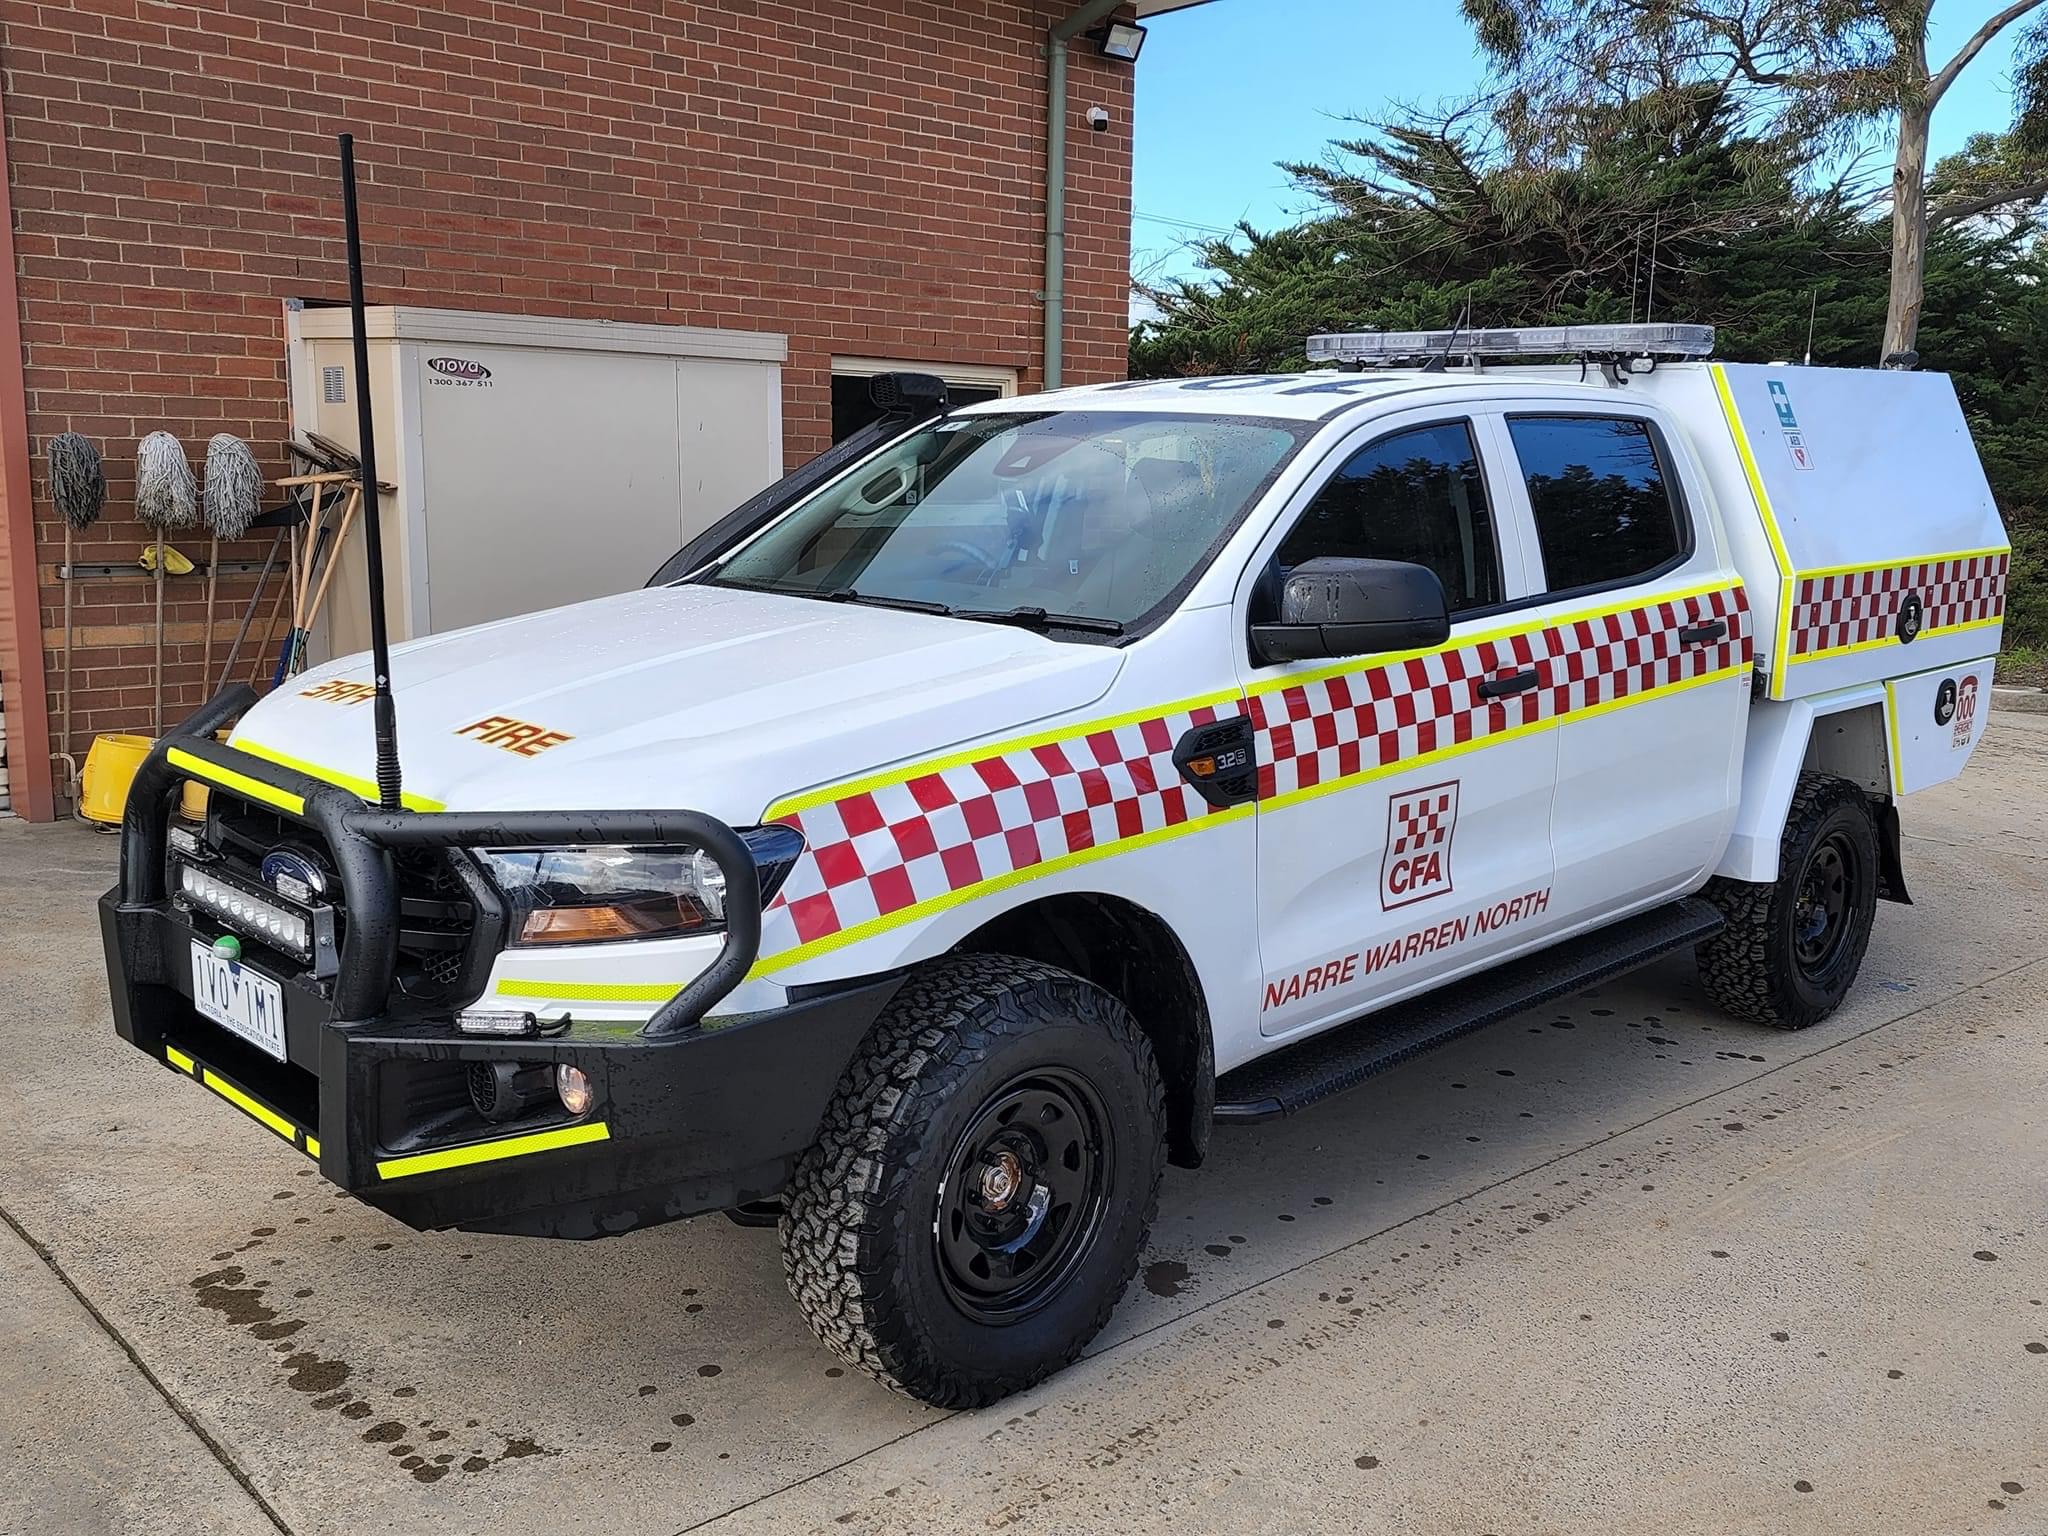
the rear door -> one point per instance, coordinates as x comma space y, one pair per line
1648, 663
1403, 827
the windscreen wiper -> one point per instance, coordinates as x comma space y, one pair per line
1039, 619
872, 600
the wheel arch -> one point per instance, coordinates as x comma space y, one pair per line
1133, 954
1841, 735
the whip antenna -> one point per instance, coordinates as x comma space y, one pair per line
386, 717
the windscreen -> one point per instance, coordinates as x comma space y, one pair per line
1098, 515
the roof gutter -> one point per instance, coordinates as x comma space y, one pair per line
1084, 17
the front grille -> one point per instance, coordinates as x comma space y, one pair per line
446, 928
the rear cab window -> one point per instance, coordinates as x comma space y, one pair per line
1603, 499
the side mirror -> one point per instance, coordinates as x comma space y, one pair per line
1335, 606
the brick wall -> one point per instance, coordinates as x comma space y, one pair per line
864, 177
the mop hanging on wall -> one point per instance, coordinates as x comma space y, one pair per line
234, 495
166, 496
78, 487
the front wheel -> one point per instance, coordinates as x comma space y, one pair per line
983, 1182
1791, 950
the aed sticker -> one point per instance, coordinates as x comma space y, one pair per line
1795, 444
1962, 701
1417, 863
522, 738
339, 690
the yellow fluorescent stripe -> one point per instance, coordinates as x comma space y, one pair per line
362, 788
1015, 877
1783, 560
313, 1146
1879, 644
178, 1059
492, 1151
240, 783
249, 1106
1891, 720
592, 991
1459, 748
1886, 565
825, 796
1482, 637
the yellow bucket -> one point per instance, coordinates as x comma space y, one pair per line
109, 770
192, 802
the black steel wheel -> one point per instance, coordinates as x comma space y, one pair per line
1792, 949
1024, 1194
983, 1182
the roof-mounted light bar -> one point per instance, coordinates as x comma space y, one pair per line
1674, 341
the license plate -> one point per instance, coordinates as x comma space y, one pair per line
236, 998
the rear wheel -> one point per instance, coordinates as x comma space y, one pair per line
983, 1183
1792, 949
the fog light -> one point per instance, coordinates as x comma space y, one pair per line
572, 1085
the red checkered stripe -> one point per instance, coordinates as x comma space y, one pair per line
878, 854
1850, 608
1319, 735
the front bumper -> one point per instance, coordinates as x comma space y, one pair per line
689, 1115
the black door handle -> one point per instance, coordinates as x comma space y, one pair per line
1703, 634
1514, 682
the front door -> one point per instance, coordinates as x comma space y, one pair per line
1404, 801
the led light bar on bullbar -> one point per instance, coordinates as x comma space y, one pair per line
1677, 341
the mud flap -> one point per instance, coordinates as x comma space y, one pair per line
1891, 867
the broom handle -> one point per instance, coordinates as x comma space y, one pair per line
301, 579
212, 575
249, 613
269, 646
159, 707
70, 579
348, 514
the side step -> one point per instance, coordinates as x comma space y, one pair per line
1297, 1076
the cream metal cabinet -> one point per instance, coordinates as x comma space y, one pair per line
538, 461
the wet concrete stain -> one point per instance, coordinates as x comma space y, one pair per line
240, 1302
709, 1370
682, 1420
1366, 1463
225, 1291
1217, 1250
1165, 1277
310, 1373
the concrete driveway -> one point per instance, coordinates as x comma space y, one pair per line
1616, 1265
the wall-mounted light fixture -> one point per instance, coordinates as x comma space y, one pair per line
1121, 40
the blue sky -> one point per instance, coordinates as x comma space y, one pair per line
1225, 90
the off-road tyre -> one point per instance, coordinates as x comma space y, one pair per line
1753, 967
862, 1248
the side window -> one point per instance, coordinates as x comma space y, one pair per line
1415, 496
1603, 507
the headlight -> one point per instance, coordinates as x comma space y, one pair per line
605, 894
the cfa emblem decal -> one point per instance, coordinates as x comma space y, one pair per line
1417, 865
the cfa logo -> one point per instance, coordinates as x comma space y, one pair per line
1417, 864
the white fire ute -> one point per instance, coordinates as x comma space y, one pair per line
951, 836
